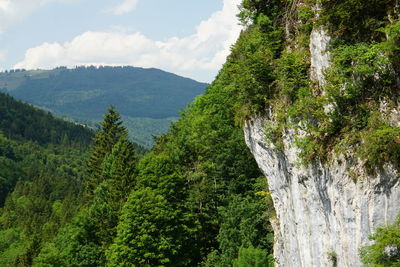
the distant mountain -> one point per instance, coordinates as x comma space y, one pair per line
148, 99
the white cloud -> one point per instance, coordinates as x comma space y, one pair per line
198, 56
12, 11
125, 7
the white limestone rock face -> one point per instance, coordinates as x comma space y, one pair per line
322, 211
320, 56
325, 211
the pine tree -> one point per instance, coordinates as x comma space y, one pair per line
110, 132
112, 193
118, 168
111, 178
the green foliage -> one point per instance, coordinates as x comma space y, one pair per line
365, 56
111, 169
359, 72
192, 172
250, 10
11, 246
244, 223
187, 198
293, 100
272, 133
21, 121
360, 76
39, 206
292, 74
152, 232
385, 249
356, 20
73, 246
333, 258
253, 257
195, 198
110, 133
40, 181
118, 169
140, 129
381, 145
250, 68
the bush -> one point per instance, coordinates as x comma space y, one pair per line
385, 252
253, 257
381, 146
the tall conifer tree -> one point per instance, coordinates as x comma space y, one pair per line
110, 132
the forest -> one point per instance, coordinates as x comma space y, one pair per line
71, 196
105, 203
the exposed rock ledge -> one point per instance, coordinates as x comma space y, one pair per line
323, 214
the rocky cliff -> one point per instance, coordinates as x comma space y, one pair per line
323, 215
325, 210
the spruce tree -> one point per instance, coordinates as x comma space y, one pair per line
110, 132
118, 168
111, 168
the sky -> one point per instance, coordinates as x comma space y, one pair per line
188, 37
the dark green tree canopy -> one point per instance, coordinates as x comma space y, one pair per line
110, 132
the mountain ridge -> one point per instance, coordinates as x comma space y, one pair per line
152, 96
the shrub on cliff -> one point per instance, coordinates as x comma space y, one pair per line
385, 252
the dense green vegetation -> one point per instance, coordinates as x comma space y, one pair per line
195, 199
30, 138
150, 97
41, 171
274, 61
20, 121
385, 250
350, 114
195, 194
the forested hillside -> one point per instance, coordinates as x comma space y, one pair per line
28, 136
21, 121
197, 198
148, 99
42, 163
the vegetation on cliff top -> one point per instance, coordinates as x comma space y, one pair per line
363, 77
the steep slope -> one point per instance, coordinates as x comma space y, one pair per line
28, 135
21, 121
42, 162
148, 98
327, 135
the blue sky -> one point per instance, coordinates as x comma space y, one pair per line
187, 37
